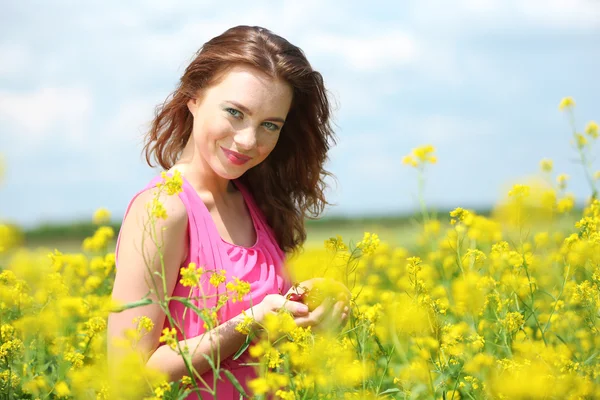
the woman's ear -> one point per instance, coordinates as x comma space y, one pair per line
192, 105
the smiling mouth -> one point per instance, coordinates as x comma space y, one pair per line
234, 157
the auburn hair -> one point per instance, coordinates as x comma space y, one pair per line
289, 184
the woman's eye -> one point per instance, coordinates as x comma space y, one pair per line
271, 126
233, 112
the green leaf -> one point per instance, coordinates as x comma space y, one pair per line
135, 304
186, 302
381, 348
561, 339
389, 391
245, 345
210, 361
235, 382
591, 358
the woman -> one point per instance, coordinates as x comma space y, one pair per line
248, 129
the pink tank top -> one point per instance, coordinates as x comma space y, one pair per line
262, 265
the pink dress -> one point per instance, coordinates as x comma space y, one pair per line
262, 265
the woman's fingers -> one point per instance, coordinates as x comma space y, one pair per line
317, 315
296, 308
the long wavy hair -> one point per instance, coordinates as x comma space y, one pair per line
289, 184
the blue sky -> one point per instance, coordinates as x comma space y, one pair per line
478, 79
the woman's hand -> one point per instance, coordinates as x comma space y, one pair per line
272, 303
333, 310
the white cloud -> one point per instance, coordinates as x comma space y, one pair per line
37, 113
506, 15
15, 59
448, 129
384, 50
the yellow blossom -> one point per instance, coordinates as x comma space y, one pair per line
420, 156
245, 325
172, 184
546, 165
335, 244
369, 243
190, 275
562, 180
239, 288
101, 216
580, 140
566, 103
61, 389
169, 337
157, 209
591, 129
218, 278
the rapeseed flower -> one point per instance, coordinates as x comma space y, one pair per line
217, 278
566, 103
101, 216
172, 184
239, 289
546, 165
420, 156
591, 129
190, 275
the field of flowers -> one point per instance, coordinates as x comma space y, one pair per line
499, 307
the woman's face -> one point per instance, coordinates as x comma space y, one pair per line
237, 121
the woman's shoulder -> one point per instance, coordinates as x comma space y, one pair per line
153, 203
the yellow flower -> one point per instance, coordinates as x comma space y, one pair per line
245, 326
597, 175
513, 322
566, 103
99, 241
259, 386
61, 389
217, 278
519, 191
101, 216
186, 380
172, 184
460, 215
143, 323
161, 389
369, 243
546, 165
562, 180
565, 204
285, 395
592, 129
157, 209
580, 140
239, 287
335, 244
190, 275
408, 160
169, 337
420, 156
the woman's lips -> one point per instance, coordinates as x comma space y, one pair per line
235, 158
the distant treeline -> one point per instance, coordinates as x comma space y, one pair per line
80, 230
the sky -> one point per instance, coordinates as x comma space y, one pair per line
480, 80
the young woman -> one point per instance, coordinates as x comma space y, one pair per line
248, 129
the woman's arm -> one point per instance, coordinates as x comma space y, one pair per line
139, 267
138, 271
226, 338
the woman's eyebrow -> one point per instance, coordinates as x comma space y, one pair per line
247, 111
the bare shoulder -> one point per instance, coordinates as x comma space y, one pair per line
153, 215
166, 210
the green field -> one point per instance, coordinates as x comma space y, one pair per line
396, 230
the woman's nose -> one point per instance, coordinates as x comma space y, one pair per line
245, 139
